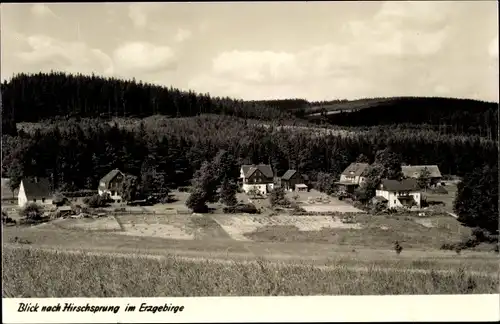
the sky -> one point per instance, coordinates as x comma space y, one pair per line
273, 50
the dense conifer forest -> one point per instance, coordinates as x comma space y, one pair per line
76, 141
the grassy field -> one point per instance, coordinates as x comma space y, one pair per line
38, 273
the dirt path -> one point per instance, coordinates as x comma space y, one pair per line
273, 260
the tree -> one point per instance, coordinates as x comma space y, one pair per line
204, 188
362, 159
31, 211
197, 200
373, 175
391, 163
325, 182
476, 201
278, 197
225, 166
424, 178
129, 188
228, 193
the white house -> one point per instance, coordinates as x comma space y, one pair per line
36, 190
352, 177
259, 177
111, 184
403, 193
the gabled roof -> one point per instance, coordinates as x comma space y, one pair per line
110, 176
355, 169
413, 171
7, 193
289, 174
37, 188
266, 170
403, 185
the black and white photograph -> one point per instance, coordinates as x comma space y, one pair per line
192, 149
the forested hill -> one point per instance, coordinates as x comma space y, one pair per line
454, 115
34, 97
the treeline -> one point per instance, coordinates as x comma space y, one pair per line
45, 96
35, 97
75, 155
447, 115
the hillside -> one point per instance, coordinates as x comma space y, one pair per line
453, 115
36, 97
45, 96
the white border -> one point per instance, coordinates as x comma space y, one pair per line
270, 309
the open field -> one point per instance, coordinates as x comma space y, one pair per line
309, 202
39, 273
238, 227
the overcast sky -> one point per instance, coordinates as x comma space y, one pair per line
317, 51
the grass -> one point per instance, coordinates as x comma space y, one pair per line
38, 273
377, 231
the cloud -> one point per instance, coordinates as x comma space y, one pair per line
138, 14
493, 48
399, 41
143, 57
42, 10
46, 53
182, 35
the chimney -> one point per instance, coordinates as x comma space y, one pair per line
35, 179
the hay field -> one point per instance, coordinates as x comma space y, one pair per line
162, 226
38, 273
237, 226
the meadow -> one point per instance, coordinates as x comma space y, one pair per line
42, 273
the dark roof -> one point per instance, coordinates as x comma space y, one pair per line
413, 171
266, 170
7, 193
288, 175
357, 169
395, 185
36, 188
108, 177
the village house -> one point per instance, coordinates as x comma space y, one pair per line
394, 193
34, 190
352, 177
414, 171
291, 179
111, 184
259, 177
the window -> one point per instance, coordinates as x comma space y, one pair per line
394, 202
43, 200
34, 200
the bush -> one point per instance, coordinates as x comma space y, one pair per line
6, 219
31, 211
97, 201
241, 208
398, 248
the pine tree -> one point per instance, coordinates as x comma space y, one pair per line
228, 193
